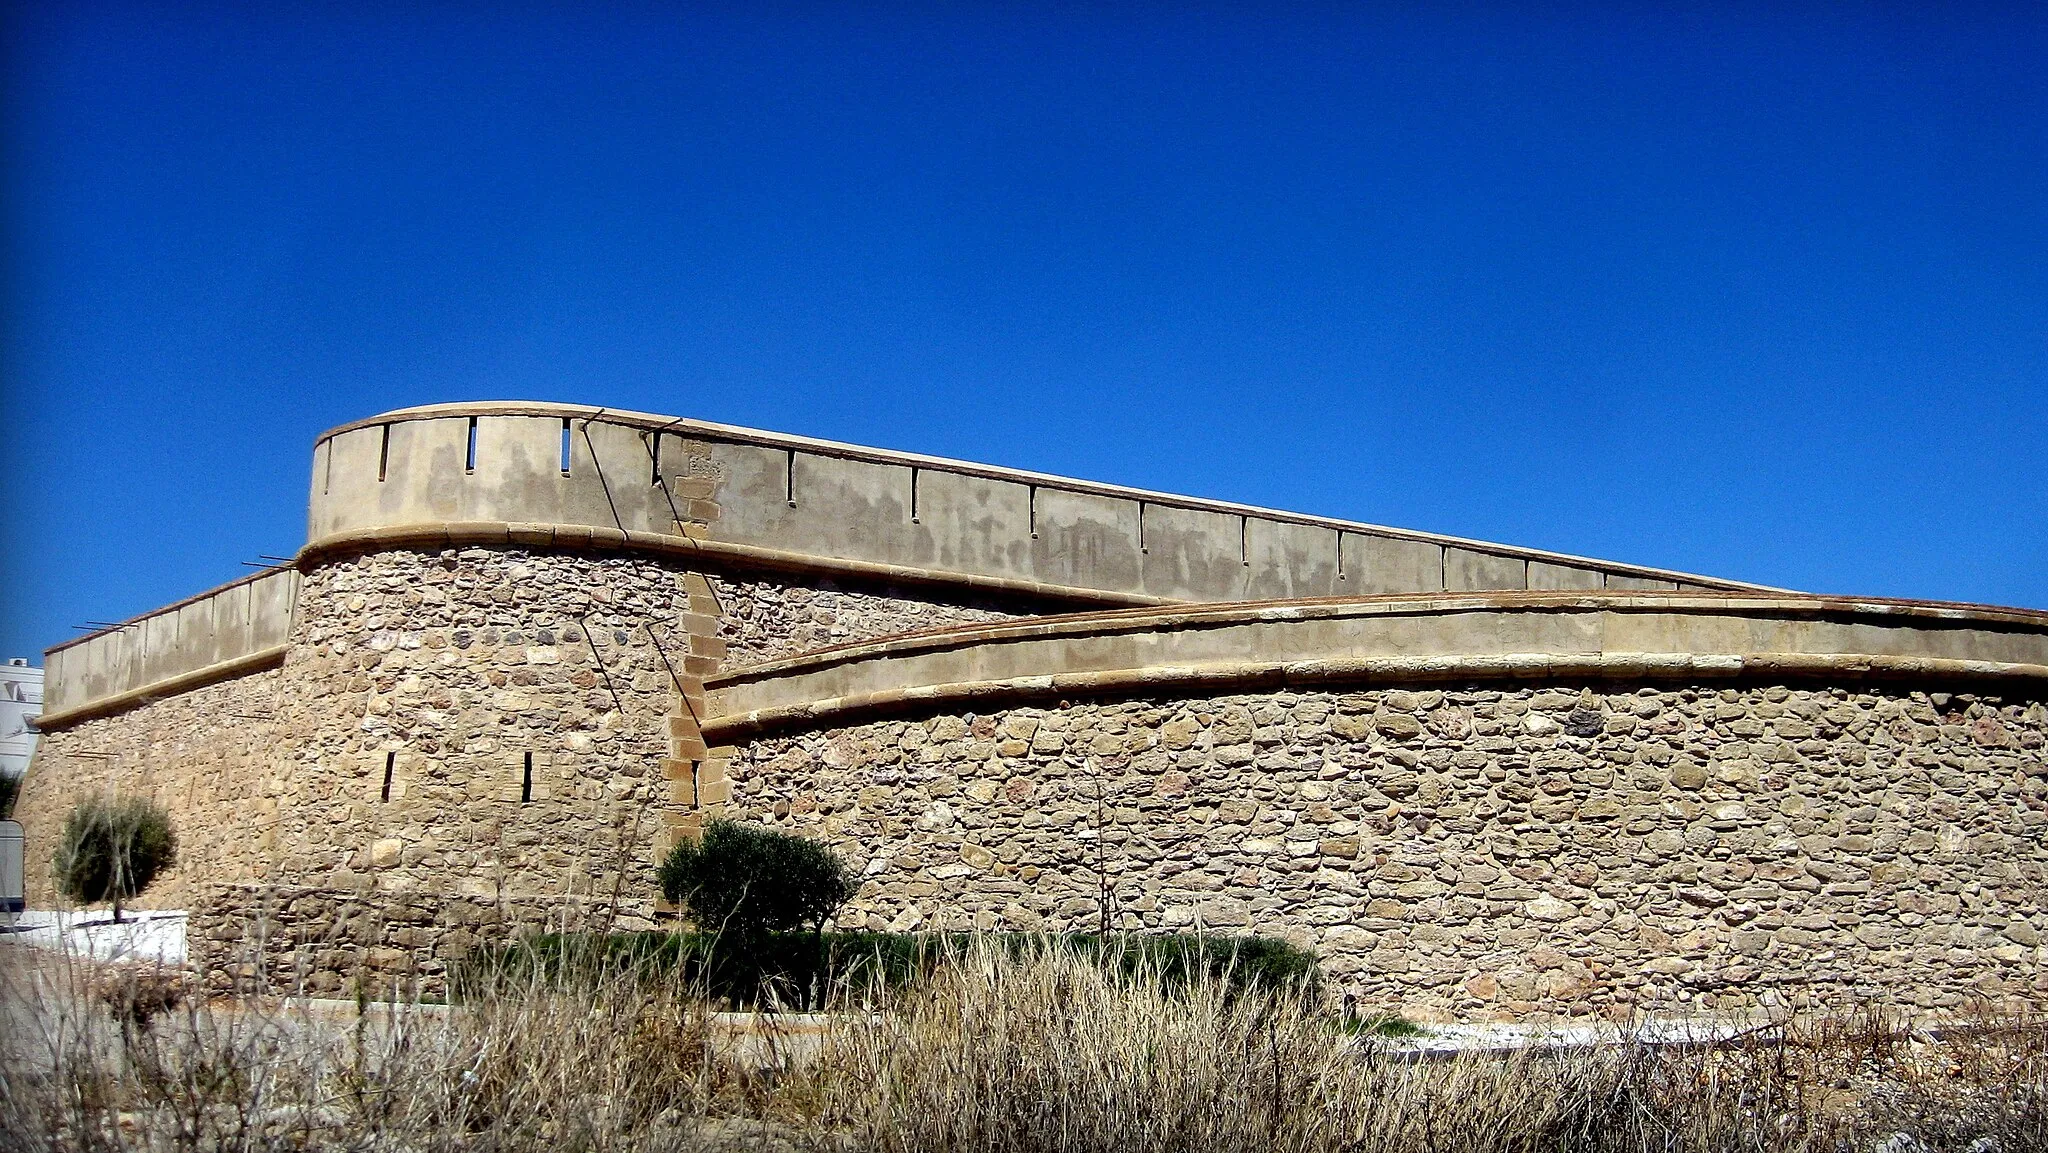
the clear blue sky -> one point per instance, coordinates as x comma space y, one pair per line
1761, 294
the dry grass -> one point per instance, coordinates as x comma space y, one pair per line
1048, 1055
997, 1053
522, 1069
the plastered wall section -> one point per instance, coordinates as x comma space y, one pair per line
1474, 854
803, 500
226, 624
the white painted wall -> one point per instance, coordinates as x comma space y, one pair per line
21, 698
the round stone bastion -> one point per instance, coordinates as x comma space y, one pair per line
1472, 806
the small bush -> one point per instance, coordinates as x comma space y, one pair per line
748, 881
137, 995
1174, 959
10, 787
114, 849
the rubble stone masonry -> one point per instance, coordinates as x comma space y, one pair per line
481, 729
1475, 853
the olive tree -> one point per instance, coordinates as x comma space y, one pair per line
750, 881
113, 849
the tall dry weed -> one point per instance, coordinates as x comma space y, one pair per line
998, 1052
518, 1067
1048, 1054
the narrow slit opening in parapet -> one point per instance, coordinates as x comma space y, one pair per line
327, 471
526, 781
565, 446
789, 478
654, 454
1340, 556
1031, 511
913, 496
696, 784
1244, 540
469, 453
390, 763
1141, 528
384, 454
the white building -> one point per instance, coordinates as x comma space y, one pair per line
21, 701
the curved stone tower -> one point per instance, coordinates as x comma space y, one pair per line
528, 646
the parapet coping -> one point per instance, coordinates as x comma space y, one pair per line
1269, 676
1251, 674
708, 430
174, 606
1173, 617
256, 662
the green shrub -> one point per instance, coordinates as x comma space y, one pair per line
113, 849
1177, 958
805, 970
10, 787
748, 881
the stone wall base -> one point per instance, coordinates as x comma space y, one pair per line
325, 942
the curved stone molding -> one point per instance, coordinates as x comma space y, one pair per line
1528, 638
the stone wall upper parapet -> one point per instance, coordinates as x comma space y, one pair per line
532, 474
472, 468
217, 633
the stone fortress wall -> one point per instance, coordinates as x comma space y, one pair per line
528, 646
456, 742
1522, 804
558, 476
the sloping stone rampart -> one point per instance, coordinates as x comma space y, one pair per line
783, 500
569, 477
1474, 853
766, 620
